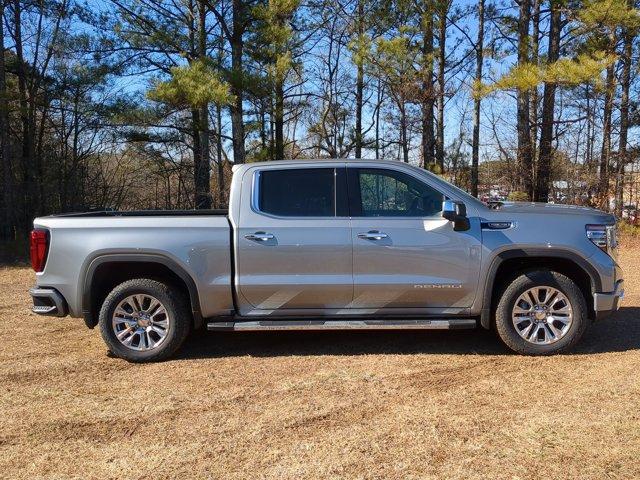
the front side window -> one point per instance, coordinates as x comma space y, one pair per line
387, 193
308, 192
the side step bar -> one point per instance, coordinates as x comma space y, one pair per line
426, 324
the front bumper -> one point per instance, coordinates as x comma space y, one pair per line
605, 304
48, 301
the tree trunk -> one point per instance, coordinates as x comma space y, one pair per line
222, 199
220, 159
534, 98
359, 81
237, 82
26, 206
272, 129
525, 157
475, 147
428, 139
6, 220
197, 157
442, 39
278, 120
548, 107
605, 153
624, 119
404, 140
377, 119
588, 148
202, 169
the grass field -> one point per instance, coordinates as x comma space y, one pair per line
317, 405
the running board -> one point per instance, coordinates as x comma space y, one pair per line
431, 324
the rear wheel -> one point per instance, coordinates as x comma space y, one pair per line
144, 320
541, 313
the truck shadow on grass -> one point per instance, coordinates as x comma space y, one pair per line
619, 333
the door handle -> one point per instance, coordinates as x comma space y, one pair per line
373, 235
260, 236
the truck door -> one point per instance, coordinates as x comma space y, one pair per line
405, 255
294, 240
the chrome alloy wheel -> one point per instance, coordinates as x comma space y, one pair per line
542, 315
140, 322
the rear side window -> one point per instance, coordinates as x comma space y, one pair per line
387, 193
308, 192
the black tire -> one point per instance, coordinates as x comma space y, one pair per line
177, 309
503, 315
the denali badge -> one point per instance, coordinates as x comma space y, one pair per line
438, 285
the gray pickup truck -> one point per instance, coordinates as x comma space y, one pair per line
330, 244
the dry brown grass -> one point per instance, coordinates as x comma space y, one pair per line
323, 405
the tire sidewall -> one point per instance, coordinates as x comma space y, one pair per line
174, 309
504, 324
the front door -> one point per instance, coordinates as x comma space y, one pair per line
405, 255
294, 243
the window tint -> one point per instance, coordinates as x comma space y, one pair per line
385, 193
298, 192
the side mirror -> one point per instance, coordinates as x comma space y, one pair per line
456, 212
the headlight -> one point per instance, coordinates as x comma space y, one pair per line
603, 236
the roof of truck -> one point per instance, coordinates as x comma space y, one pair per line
315, 161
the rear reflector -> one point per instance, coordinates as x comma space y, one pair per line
39, 247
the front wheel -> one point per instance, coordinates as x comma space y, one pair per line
541, 313
144, 320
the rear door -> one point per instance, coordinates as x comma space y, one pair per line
294, 241
405, 255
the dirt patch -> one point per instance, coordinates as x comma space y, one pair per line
317, 405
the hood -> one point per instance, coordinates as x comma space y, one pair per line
554, 209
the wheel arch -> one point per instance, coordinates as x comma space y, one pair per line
106, 271
510, 263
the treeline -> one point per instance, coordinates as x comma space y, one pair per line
147, 103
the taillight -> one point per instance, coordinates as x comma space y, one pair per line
39, 247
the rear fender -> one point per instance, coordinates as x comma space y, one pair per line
87, 279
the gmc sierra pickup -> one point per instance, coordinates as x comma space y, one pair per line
330, 244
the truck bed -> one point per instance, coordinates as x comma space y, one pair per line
197, 242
